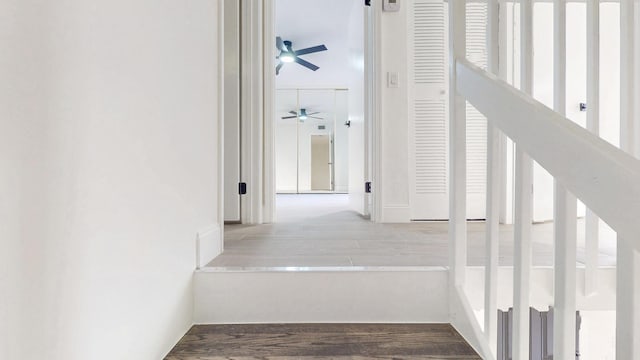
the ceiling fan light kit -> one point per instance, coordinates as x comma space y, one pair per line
288, 55
303, 115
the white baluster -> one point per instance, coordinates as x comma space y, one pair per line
565, 211
523, 200
628, 259
457, 147
592, 222
493, 189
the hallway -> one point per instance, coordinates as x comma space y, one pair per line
318, 230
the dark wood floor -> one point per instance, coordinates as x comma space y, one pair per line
322, 341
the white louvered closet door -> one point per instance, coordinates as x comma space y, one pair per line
428, 102
428, 110
476, 122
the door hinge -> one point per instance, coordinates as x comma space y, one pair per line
367, 187
242, 188
367, 2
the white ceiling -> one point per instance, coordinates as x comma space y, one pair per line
309, 23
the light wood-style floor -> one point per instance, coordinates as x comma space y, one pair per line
322, 341
319, 230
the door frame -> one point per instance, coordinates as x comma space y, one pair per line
258, 110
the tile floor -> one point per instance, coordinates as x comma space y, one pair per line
319, 230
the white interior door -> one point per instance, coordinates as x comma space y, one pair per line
428, 125
231, 110
321, 162
476, 122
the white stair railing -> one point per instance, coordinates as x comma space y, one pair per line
606, 179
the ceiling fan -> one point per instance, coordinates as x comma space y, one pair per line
302, 115
288, 55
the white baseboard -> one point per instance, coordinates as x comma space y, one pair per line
208, 244
342, 189
396, 214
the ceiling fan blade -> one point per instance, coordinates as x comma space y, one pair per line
289, 117
313, 113
310, 50
279, 43
315, 117
279, 67
306, 64
293, 112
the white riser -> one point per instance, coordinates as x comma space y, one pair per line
373, 296
317, 296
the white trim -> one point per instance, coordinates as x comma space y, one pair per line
252, 110
220, 124
463, 319
269, 187
374, 80
209, 244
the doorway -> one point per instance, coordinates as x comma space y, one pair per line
321, 165
311, 141
319, 120
254, 72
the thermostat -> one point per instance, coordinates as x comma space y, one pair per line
391, 5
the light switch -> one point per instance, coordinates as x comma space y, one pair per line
392, 79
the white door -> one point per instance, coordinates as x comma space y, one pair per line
356, 120
476, 122
428, 123
321, 162
428, 102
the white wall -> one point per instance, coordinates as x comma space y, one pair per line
286, 156
118, 150
22, 89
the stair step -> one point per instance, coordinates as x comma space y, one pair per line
321, 295
323, 341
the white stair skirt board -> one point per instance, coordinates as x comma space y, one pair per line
208, 244
336, 295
